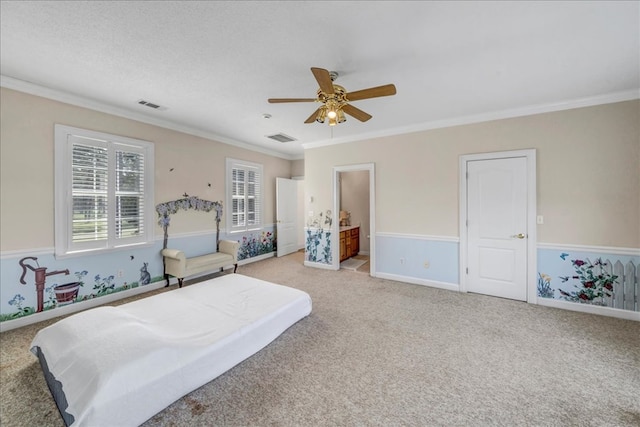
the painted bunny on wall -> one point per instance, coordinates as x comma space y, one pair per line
145, 276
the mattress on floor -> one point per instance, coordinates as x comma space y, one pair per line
122, 365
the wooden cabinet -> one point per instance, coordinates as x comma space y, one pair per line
355, 241
349, 243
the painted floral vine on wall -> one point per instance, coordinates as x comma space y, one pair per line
256, 245
165, 210
53, 297
607, 280
318, 239
544, 286
592, 286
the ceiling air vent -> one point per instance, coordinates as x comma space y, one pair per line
151, 105
281, 137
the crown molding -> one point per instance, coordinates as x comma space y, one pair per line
79, 101
68, 98
486, 117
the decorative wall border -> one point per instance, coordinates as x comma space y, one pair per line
28, 252
541, 245
597, 249
122, 268
419, 237
76, 307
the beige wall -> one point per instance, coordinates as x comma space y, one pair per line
588, 167
27, 169
297, 168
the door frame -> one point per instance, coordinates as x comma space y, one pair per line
335, 227
532, 258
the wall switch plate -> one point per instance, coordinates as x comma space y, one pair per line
310, 213
540, 219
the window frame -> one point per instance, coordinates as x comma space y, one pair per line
64, 139
247, 167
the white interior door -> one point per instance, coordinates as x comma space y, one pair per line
497, 227
286, 214
300, 215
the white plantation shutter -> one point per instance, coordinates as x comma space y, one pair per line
104, 191
254, 198
238, 214
89, 185
129, 194
244, 195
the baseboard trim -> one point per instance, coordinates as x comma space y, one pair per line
416, 281
257, 258
591, 309
319, 265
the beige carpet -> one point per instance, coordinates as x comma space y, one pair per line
382, 353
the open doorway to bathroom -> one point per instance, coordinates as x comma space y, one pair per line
355, 207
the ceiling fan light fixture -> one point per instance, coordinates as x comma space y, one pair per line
336, 100
332, 106
322, 113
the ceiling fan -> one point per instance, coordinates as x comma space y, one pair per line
335, 99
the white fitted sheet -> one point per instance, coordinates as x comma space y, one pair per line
122, 365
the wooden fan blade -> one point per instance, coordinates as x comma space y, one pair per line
372, 92
312, 118
356, 112
324, 80
279, 100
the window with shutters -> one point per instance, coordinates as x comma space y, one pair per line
103, 191
244, 196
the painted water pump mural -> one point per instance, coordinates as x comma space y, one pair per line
67, 292
61, 287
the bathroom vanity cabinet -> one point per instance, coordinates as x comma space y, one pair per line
349, 241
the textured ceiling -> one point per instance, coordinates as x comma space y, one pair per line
213, 65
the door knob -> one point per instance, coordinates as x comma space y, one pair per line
519, 236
